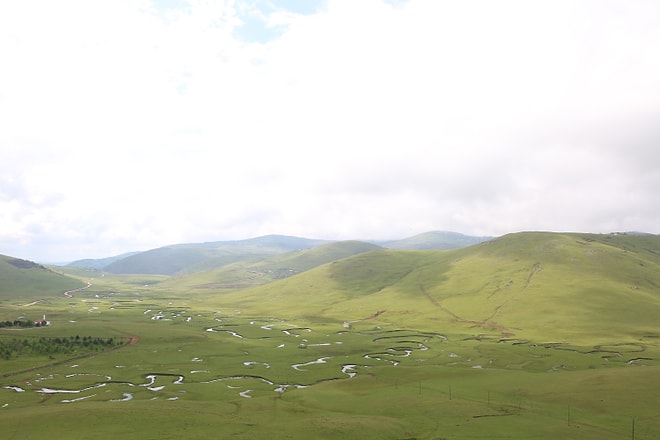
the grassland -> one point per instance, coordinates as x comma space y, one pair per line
529, 336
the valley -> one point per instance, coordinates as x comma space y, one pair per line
531, 335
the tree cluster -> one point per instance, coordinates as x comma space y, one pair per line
18, 323
72, 345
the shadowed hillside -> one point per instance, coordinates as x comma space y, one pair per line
22, 279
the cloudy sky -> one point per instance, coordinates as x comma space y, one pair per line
131, 124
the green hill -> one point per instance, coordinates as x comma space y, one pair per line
542, 286
23, 280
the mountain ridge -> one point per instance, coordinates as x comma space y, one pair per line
190, 257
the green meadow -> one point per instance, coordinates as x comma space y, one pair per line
528, 336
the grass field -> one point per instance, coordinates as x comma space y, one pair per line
507, 340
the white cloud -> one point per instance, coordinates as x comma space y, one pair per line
129, 125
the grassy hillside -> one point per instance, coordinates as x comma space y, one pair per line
532, 285
25, 281
570, 286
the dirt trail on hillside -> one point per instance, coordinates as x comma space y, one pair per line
486, 323
536, 268
437, 303
69, 292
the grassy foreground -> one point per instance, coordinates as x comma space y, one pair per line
412, 360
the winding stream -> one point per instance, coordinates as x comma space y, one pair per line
311, 358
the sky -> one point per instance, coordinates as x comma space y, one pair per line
128, 125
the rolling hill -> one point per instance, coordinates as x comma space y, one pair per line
23, 280
536, 285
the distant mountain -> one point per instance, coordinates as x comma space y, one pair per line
28, 280
100, 263
256, 272
186, 258
303, 260
437, 240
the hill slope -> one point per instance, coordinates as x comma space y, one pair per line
535, 285
22, 279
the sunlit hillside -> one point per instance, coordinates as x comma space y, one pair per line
533, 285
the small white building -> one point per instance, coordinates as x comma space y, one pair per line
42, 322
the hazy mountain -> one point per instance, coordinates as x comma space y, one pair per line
303, 260
251, 272
100, 263
185, 258
195, 257
437, 240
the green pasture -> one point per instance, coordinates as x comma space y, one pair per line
538, 338
453, 384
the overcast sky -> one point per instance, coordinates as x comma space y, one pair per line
132, 124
